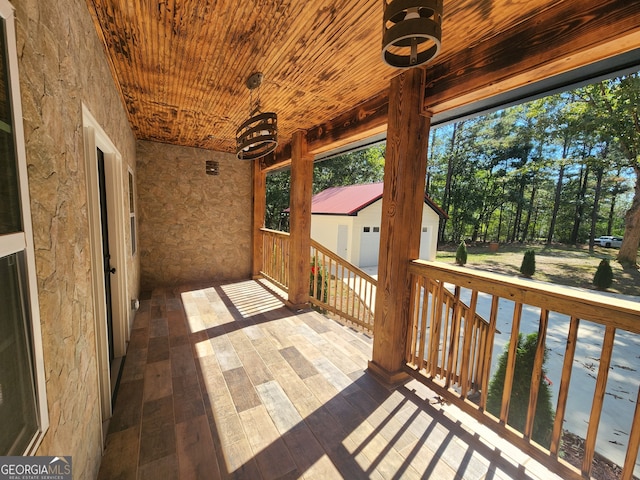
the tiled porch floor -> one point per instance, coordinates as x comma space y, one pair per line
225, 382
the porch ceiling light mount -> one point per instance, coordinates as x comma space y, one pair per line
258, 135
412, 30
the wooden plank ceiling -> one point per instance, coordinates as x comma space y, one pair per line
181, 65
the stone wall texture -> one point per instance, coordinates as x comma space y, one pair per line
62, 65
194, 227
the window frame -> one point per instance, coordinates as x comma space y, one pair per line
133, 227
23, 241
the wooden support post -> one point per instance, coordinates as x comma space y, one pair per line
259, 210
402, 203
300, 221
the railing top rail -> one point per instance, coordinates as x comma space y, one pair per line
275, 232
351, 266
592, 306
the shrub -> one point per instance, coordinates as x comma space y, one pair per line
604, 275
321, 290
519, 402
461, 253
528, 267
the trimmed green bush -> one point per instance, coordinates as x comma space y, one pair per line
604, 275
528, 267
519, 402
461, 253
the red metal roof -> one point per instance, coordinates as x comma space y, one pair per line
347, 200
351, 199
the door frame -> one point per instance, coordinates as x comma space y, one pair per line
95, 137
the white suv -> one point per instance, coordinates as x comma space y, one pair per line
608, 241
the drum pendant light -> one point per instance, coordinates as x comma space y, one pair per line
412, 30
258, 135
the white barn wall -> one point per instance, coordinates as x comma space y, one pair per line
367, 217
324, 230
429, 239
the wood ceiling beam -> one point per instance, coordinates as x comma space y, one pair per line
364, 121
569, 35
566, 36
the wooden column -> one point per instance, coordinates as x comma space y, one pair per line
300, 220
259, 210
402, 203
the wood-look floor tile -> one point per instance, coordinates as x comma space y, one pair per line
158, 327
282, 412
182, 363
142, 317
270, 451
298, 362
225, 353
134, 365
158, 349
187, 399
196, 454
242, 392
162, 468
127, 410
157, 380
255, 366
120, 459
157, 438
240, 462
139, 338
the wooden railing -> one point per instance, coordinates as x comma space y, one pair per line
335, 285
275, 257
452, 350
457, 340
341, 288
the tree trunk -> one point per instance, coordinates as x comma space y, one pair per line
628, 253
447, 185
596, 205
556, 205
527, 222
579, 212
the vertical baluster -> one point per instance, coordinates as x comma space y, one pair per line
598, 400
488, 351
469, 320
536, 374
426, 286
446, 325
434, 331
634, 443
454, 341
414, 314
352, 293
565, 380
511, 362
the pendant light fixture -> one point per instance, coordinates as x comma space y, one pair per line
412, 30
258, 135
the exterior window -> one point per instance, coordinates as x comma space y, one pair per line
132, 213
376, 229
23, 414
424, 229
367, 229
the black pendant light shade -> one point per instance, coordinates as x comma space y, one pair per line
412, 31
258, 135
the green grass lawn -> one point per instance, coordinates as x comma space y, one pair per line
560, 264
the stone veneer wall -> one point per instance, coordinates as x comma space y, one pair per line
193, 227
62, 64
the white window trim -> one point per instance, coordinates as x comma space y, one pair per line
24, 241
132, 212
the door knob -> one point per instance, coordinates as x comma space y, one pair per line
112, 270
